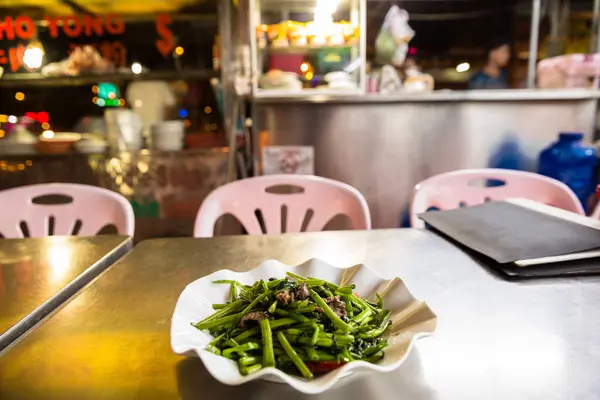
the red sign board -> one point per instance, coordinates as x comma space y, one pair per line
74, 26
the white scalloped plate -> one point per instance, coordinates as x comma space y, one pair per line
411, 320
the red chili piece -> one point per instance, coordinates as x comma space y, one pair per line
321, 367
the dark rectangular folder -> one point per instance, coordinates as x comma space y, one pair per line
522, 241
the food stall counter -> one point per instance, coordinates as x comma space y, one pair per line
386, 144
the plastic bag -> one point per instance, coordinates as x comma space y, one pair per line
392, 41
389, 81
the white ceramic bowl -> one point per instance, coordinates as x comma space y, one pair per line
168, 129
64, 137
90, 146
167, 140
167, 136
168, 146
411, 320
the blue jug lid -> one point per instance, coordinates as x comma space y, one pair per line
570, 136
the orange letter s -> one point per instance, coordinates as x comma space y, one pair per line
166, 43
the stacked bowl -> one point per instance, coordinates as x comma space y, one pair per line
167, 135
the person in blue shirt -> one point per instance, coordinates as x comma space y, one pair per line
493, 75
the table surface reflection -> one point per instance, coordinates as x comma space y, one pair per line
494, 340
37, 275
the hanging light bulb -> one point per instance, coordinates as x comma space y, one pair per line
136, 68
34, 55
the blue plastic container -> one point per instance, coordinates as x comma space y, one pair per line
571, 162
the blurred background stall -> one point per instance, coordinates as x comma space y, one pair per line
79, 67
164, 101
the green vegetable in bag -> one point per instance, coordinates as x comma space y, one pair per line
385, 47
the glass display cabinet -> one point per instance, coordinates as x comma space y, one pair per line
307, 47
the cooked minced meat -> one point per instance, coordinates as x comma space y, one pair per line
337, 306
251, 319
301, 291
285, 297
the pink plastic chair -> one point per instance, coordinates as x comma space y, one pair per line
91, 208
455, 189
325, 197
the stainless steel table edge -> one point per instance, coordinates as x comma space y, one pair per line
25, 325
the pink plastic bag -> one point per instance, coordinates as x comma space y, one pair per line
568, 71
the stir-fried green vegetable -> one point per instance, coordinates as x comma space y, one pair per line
303, 326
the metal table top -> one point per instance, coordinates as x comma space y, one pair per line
494, 339
38, 275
